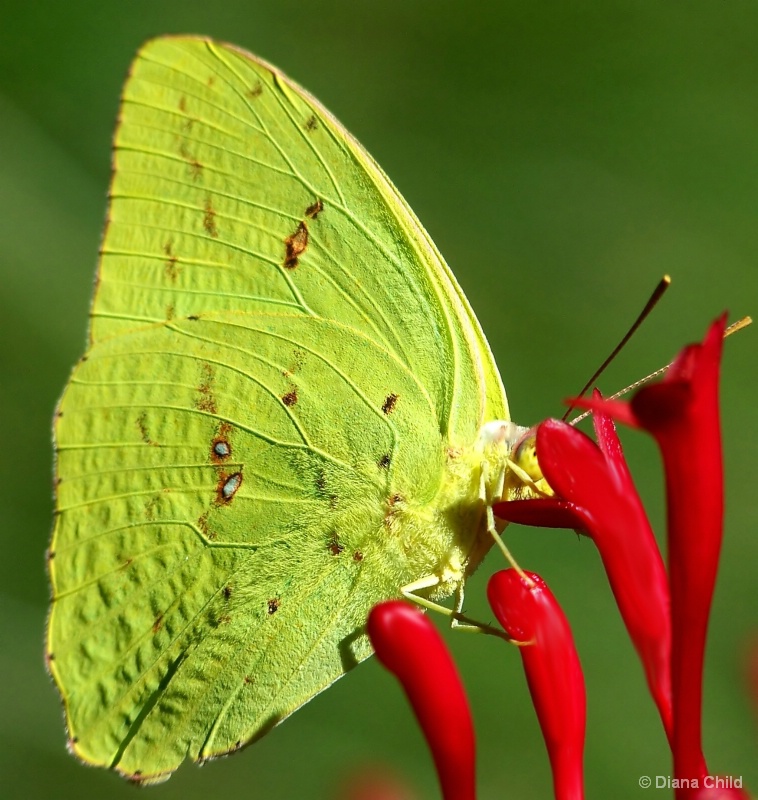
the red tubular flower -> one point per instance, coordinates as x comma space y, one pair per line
374, 783
410, 647
682, 414
751, 671
530, 613
594, 493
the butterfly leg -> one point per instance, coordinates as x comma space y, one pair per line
503, 547
498, 493
458, 620
484, 474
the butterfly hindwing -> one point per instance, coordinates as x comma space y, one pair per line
223, 488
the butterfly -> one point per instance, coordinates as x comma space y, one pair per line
286, 413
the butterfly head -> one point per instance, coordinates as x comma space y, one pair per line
510, 467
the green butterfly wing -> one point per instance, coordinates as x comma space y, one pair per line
269, 431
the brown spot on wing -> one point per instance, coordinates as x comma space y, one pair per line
150, 506
384, 461
311, 123
273, 605
158, 624
170, 267
358, 556
202, 524
298, 356
333, 545
295, 245
188, 122
256, 91
314, 209
206, 401
209, 219
389, 403
143, 430
321, 482
195, 168
290, 398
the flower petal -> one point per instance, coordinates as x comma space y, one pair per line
547, 512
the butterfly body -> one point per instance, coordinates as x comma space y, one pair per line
276, 424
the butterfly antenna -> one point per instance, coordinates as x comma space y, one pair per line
733, 328
659, 291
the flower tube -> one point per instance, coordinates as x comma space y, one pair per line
410, 647
682, 414
594, 493
530, 614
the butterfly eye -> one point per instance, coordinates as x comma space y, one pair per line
525, 456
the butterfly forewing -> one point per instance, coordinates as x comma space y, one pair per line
234, 190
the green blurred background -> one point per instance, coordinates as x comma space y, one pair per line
563, 156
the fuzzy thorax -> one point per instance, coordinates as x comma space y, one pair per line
475, 477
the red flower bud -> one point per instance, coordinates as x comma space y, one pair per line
410, 647
529, 613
